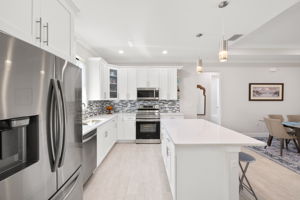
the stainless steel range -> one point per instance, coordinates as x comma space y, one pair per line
148, 124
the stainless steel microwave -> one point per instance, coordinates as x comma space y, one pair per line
147, 93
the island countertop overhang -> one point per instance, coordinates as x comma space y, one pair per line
202, 132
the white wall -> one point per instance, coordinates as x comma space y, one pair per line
83, 52
188, 91
237, 112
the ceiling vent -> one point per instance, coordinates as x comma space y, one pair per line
199, 35
235, 37
223, 4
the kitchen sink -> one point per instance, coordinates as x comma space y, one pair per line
91, 122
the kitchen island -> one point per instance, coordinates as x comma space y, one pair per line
201, 159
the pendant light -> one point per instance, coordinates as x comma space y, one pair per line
199, 66
223, 52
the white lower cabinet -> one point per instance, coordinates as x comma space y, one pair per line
169, 158
106, 138
126, 127
171, 115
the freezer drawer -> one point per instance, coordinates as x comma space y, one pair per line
72, 189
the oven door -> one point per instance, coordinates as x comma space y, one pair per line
147, 131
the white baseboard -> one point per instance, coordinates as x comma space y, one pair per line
126, 141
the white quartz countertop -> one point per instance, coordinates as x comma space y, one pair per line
202, 132
102, 120
172, 113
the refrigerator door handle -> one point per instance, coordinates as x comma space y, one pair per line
56, 120
52, 128
64, 120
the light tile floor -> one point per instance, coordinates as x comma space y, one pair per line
136, 172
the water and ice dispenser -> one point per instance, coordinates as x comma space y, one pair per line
19, 144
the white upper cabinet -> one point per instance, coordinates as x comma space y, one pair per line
113, 92
164, 84
17, 18
131, 84
104, 76
97, 79
168, 84
45, 23
153, 78
127, 84
93, 79
172, 80
147, 78
142, 78
122, 84
57, 28
108, 82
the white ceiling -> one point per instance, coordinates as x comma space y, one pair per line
157, 25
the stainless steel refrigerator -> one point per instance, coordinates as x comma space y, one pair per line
40, 124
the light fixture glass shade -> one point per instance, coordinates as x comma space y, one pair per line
199, 66
223, 53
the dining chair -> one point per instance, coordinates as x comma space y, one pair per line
273, 116
276, 116
293, 118
277, 130
289, 130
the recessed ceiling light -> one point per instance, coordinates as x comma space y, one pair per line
8, 62
121, 52
130, 44
164, 52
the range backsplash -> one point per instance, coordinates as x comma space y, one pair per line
128, 106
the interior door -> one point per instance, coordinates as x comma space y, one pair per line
215, 99
69, 76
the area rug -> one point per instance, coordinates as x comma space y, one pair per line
289, 159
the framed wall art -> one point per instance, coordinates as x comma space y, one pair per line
266, 91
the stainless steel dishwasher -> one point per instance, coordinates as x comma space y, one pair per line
89, 154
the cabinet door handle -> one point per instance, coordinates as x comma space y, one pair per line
167, 152
39, 37
106, 134
47, 34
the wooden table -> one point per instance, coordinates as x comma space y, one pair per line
296, 127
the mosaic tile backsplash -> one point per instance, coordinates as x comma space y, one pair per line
98, 107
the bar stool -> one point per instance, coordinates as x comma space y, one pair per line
244, 157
